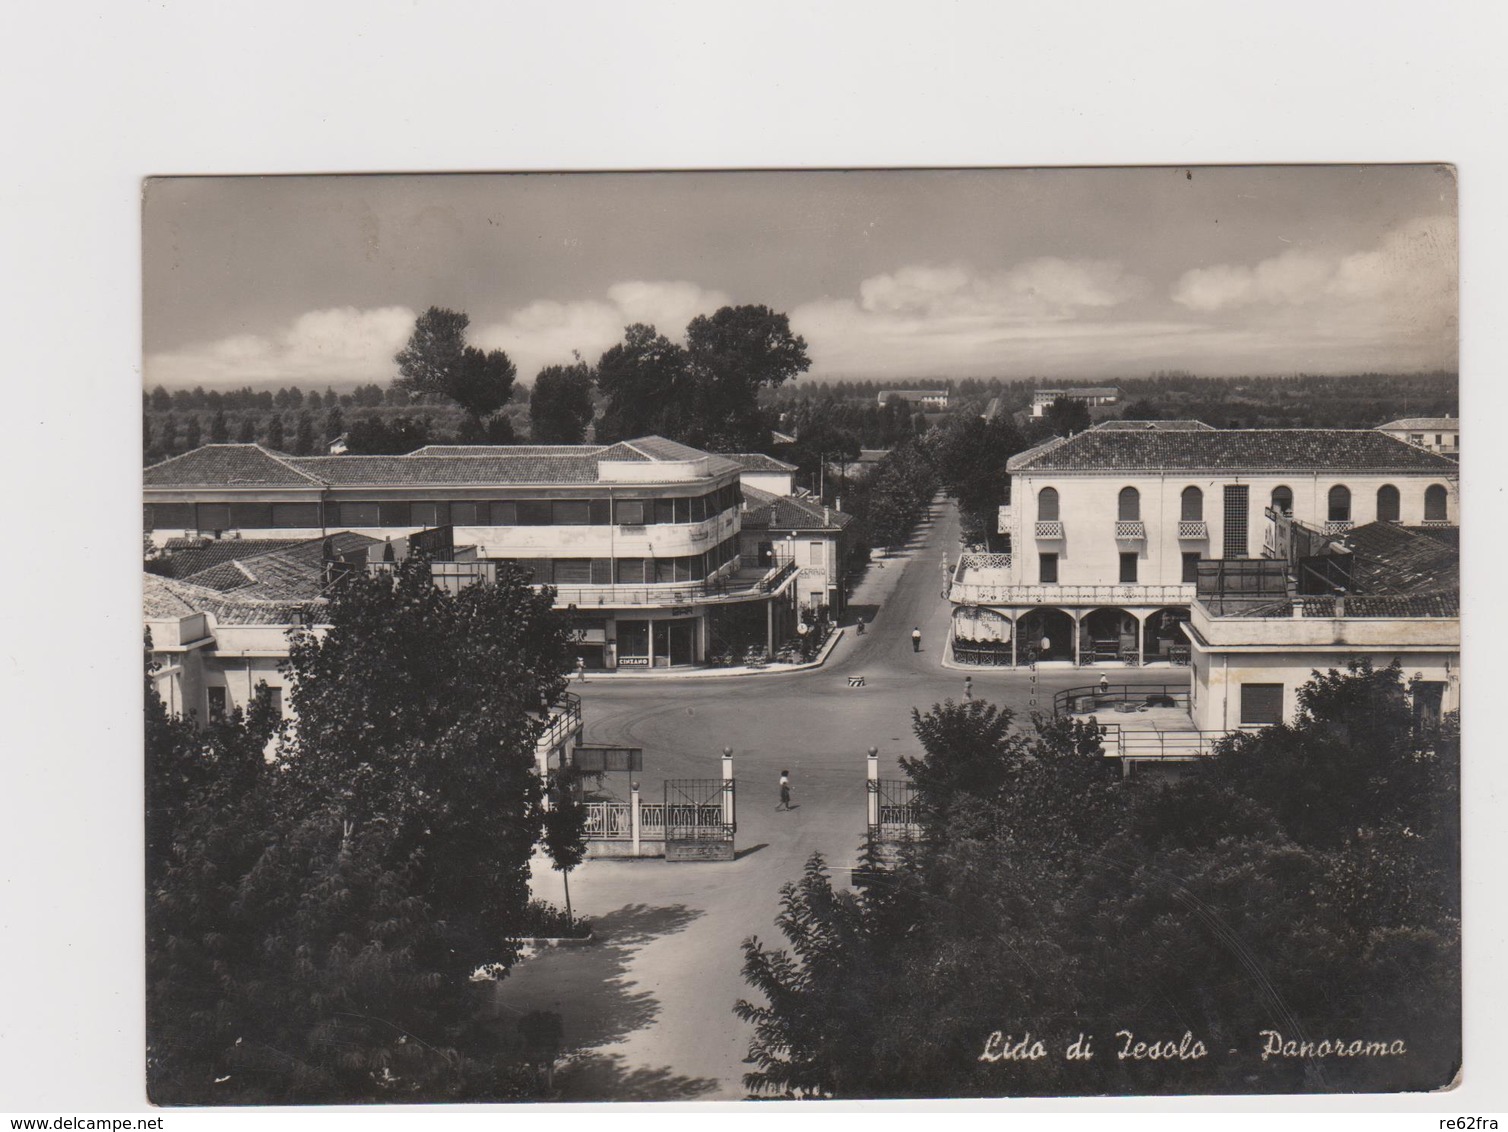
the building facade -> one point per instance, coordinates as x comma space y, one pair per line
809, 534
1106, 530
1382, 592
1091, 396
640, 539
934, 400
1438, 434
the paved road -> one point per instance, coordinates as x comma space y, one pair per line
648, 1006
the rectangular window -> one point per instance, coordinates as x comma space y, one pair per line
630, 571
504, 513
664, 569
602, 571
295, 515
1438, 441
424, 514
600, 513
217, 702
1416, 438
630, 512
1128, 566
275, 698
572, 513
251, 516
1190, 567
817, 557
682, 510
664, 511
699, 509
213, 517
1047, 565
174, 516
535, 513
359, 515
1236, 509
573, 571
394, 514
466, 514
1261, 704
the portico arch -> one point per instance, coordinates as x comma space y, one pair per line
1108, 633
1058, 626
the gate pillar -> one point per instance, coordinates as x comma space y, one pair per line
634, 816
872, 786
730, 817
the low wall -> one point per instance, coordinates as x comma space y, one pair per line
619, 848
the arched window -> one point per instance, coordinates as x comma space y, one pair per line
1387, 504
1130, 504
1192, 501
1047, 503
1435, 504
1282, 500
1340, 504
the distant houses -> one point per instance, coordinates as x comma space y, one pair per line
934, 400
1091, 396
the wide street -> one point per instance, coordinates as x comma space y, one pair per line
647, 1007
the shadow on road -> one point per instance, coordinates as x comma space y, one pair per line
592, 1076
740, 854
586, 985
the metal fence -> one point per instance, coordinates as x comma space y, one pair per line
1096, 697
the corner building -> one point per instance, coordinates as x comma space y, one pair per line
640, 539
1106, 530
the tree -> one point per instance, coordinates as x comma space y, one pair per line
437, 360
335, 423
247, 434
275, 439
303, 436
734, 354
191, 435
219, 429
560, 404
161, 401
565, 829
1064, 417
645, 387
371, 435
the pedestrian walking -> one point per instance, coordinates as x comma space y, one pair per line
581, 669
785, 790
968, 687
916, 640
1104, 683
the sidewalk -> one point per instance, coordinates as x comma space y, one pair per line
771, 669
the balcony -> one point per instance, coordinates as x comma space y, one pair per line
1337, 526
1193, 529
1049, 528
982, 592
1130, 530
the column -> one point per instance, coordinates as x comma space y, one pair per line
1141, 640
634, 817
1015, 637
872, 786
769, 622
730, 817
1076, 642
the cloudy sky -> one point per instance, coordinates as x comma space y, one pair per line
1056, 273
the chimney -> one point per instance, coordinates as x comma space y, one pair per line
827, 517
1340, 605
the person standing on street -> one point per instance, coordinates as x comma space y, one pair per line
785, 790
581, 669
1104, 683
968, 688
916, 640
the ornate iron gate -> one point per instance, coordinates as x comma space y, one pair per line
700, 819
895, 812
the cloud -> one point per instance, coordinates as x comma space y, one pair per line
347, 344
1413, 263
341, 344
546, 332
1045, 288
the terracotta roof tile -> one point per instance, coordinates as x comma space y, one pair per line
771, 512
1236, 450
228, 465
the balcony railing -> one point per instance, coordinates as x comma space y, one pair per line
1172, 746
1130, 530
1193, 529
1337, 526
975, 561
978, 593
563, 721
1049, 528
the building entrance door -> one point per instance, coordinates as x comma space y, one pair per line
675, 643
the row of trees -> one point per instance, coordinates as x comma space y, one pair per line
318, 899
200, 399
1303, 881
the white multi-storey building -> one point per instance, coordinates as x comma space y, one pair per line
1105, 530
640, 539
1438, 434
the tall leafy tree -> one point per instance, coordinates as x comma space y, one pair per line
191, 434
560, 404
645, 387
303, 435
735, 354
437, 360
275, 437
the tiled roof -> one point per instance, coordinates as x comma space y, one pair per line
291, 573
194, 555
758, 462
1234, 450
1155, 426
771, 512
1423, 423
1395, 560
235, 465
1363, 605
1082, 391
168, 598
228, 465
